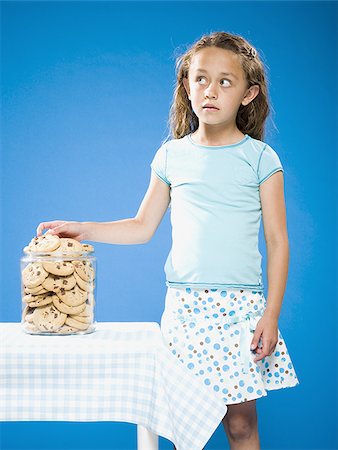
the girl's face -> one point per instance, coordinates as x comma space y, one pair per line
216, 77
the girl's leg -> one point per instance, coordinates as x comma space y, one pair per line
241, 426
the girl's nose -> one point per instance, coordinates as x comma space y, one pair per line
210, 92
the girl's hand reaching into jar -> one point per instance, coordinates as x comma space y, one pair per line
61, 228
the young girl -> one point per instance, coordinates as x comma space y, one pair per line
220, 178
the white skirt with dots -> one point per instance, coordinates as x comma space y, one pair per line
210, 332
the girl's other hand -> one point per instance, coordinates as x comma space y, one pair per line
61, 228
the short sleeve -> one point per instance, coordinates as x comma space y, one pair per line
159, 163
268, 164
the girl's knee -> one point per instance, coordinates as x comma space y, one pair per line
241, 427
241, 421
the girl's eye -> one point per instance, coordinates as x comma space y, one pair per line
198, 78
224, 79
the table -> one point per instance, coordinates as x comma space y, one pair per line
122, 372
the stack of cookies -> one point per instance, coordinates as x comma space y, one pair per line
58, 276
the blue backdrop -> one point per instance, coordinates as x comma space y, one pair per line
86, 90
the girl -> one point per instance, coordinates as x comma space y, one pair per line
220, 178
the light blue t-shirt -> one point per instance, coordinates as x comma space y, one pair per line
215, 211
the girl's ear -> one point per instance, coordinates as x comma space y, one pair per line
251, 93
186, 85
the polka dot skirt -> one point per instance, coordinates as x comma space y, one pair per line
210, 332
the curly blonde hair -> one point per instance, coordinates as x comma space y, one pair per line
251, 118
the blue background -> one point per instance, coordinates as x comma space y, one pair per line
86, 91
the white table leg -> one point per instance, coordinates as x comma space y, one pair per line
146, 440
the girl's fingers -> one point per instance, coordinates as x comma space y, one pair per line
40, 228
65, 230
264, 351
45, 225
61, 228
57, 229
51, 231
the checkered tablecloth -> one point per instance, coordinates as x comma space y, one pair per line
122, 372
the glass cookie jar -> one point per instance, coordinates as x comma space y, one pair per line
58, 292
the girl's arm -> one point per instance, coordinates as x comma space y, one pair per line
276, 237
136, 230
275, 232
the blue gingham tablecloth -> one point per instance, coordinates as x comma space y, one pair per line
122, 372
